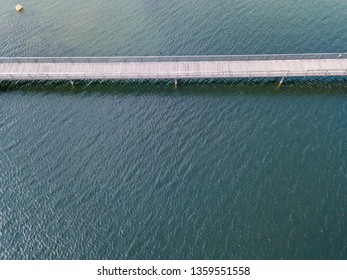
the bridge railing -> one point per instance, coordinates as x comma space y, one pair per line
170, 75
124, 59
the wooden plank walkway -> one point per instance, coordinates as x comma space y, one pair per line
132, 68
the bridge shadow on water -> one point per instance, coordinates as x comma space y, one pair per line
205, 87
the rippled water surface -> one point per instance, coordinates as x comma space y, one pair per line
143, 171
175, 27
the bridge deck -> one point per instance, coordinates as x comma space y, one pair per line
118, 69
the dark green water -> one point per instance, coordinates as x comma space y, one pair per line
143, 171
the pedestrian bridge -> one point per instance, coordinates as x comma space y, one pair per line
173, 67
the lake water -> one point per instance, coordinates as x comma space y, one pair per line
211, 170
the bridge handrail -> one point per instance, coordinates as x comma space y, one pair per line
130, 75
124, 59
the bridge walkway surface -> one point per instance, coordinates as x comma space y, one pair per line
172, 67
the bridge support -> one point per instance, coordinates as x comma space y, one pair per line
175, 83
281, 82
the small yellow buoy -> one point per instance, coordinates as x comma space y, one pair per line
19, 8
